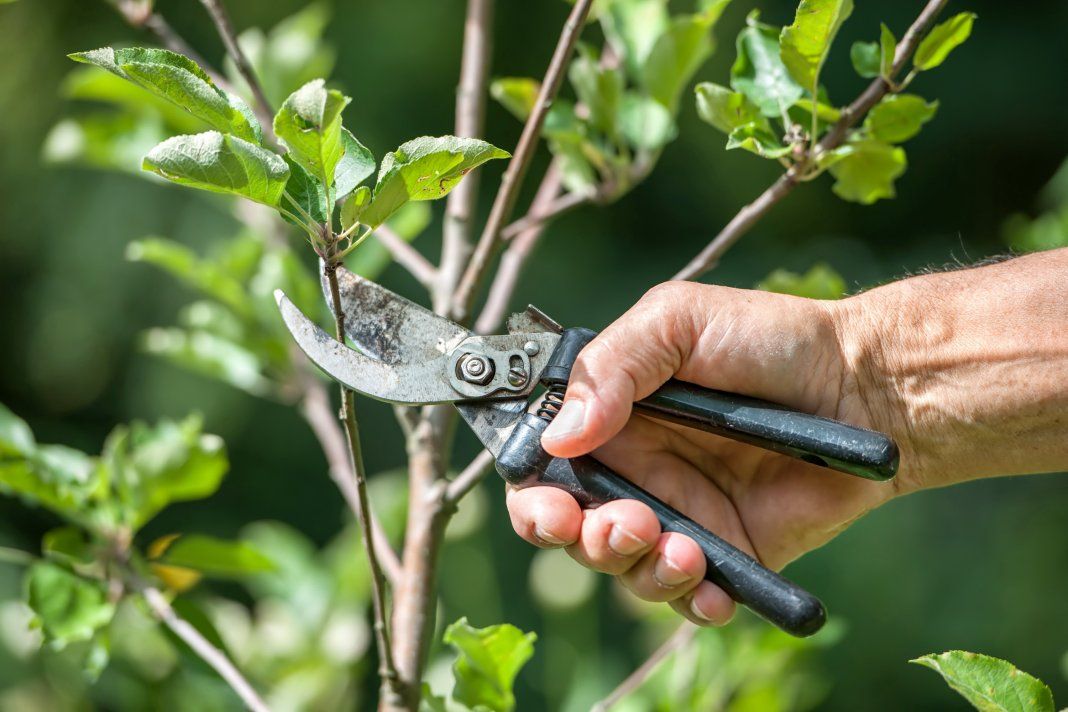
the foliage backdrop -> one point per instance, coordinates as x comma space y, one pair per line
980, 567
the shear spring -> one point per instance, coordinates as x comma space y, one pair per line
551, 402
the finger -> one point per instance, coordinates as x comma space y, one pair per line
672, 569
707, 605
615, 536
545, 516
626, 362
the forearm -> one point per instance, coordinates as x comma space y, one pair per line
967, 369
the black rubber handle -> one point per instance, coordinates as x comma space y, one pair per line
821, 441
774, 598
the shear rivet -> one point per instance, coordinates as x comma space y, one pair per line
475, 368
531, 348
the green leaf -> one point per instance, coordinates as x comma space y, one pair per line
825, 113
645, 124
757, 138
805, 43
68, 546
678, 53
216, 557
488, 661
54, 476
353, 207
210, 355
899, 117
632, 27
887, 50
89, 84
516, 94
68, 608
306, 191
866, 169
309, 123
105, 139
181, 81
865, 57
16, 438
425, 168
170, 462
819, 282
726, 109
222, 164
943, 39
599, 88
205, 275
990, 684
759, 73
356, 164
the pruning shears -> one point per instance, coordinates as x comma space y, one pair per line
407, 355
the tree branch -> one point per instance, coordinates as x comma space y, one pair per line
784, 185
539, 215
470, 116
318, 412
203, 648
519, 250
407, 256
468, 478
225, 29
508, 193
387, 669
678, 640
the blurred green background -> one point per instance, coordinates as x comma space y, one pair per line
982, 567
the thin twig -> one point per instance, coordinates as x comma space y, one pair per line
512, 180
318, 412
784, 185
387, 669
678, 640
407, 256
203, 648
468, 477
535, 218
470, 115
518, 252
225, 29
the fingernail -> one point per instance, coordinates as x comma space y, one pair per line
668, 574
697, 611
547, 538
568, 421
623, 543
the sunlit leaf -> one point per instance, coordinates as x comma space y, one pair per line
990, 684
16, 438
899, 117
488, 661
222, 164
943, 39
759, 73
68, 608
645, 123
210, 355
679, 52
516, 94
309, 123
632, 27
726, 109
114, 140
758, 139
184, 264
356, 164
214, 557
866, 170
805, 43
307, 192
425, 168
179, 80
598, 88
819, 282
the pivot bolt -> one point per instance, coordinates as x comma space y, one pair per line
531, 348
475, 368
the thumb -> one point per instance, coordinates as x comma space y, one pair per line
625, 363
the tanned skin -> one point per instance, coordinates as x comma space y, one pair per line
966, 370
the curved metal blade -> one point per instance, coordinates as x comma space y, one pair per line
413, 383
389, 327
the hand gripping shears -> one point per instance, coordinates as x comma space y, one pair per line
407, 355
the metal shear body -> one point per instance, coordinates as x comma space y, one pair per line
406, 354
